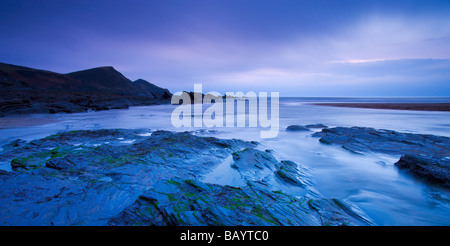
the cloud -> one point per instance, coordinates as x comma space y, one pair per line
301, 48
377, 49
385, 37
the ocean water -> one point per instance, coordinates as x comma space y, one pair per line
370, 181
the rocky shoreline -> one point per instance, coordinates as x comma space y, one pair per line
138, 177
123, 177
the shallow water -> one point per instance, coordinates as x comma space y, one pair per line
370, 181
224, 174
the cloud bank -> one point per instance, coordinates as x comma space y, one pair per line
299, 48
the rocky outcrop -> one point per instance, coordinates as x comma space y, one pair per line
137, 177
363, 139
27, 90
320, 126
433, 169
423, 155
87, 177
261, 167
299, 128
179, 202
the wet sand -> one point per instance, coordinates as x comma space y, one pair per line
398, 106
23, 122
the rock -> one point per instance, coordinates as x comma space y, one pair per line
17, 143
85, 183
297, 128
363, 139
423, 155
27, 163
330, 216
434, 170
320, 126
189, 202
262, 168
304, 128
290, 173
253, 160
60, 163
93, 178
19, 163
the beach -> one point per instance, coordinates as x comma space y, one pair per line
397, 106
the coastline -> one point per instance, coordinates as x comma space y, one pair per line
397, 106
97, 151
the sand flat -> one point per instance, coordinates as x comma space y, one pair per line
398, 106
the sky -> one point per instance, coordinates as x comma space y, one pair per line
294, 47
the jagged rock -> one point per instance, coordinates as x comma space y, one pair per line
190, 202
253, 160
363, 139
433, 169
75, 178
94, 178
60, 163
290, 173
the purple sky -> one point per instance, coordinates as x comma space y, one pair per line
298, 48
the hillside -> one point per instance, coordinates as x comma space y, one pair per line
27, 90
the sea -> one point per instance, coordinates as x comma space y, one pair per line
370, 182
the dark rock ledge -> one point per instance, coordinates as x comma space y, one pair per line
433, 169
305, 128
